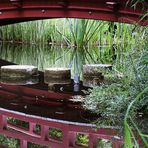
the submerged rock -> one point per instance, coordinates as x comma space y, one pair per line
19, 80
14, 71
57, 76
57, 73
52, 81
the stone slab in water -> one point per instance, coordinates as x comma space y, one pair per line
18, 71
57, 73
95, 69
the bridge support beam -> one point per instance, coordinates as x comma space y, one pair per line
14, 11
23, 144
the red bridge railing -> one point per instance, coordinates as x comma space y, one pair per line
13, 11
69, 131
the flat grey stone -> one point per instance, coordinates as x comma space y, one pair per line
18, 71
95, 69
57, 73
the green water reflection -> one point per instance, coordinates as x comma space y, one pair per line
44, 56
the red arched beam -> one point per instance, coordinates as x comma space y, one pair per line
13, 11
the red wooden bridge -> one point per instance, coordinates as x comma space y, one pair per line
38, 107
13, 11
48, 110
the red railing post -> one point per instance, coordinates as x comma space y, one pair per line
23, 144
92, 141
44, 132
3, 121
72, 138
31, 127
65, 130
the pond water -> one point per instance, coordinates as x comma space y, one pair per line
34, 96
45, 56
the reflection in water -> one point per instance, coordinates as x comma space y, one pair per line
38, 98
34, 100
45, 56
19, 81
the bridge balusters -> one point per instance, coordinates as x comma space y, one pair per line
72, 138
69, 134
3, 121
23, 143
65, 138
31, 127
92, 141
44, 132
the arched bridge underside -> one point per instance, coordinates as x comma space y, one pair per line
13, 11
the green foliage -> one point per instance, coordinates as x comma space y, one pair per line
109, 101
82, 140
70, 32
102, 143
55, 133
18, 122
83, 31
32, 145
9, 142
128, 43
120, 102
129, 135
134, 3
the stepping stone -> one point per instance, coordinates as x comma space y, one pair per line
93, 74
95, 69
13, 71
57, 73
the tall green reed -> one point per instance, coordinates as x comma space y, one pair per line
69, 32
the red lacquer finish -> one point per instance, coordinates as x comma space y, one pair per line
69, 131
13, 11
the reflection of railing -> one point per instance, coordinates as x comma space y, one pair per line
36, 96
69, 131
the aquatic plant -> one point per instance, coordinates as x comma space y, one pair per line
121, 101
69, 32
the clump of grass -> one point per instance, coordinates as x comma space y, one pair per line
122, 100
69, 32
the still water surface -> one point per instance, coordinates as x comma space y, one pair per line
39, 98
44, 56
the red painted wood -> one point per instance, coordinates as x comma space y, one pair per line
69, 130
110, 10
23, 144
